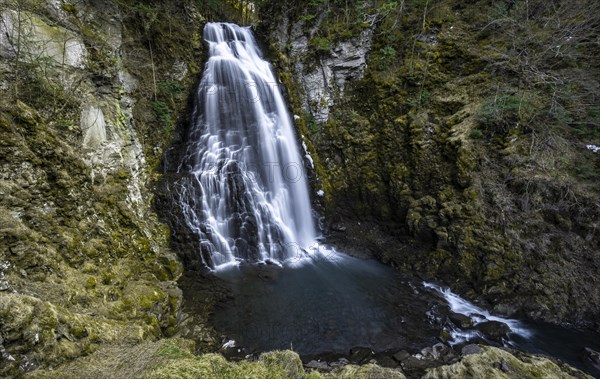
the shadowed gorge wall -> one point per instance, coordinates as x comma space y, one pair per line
459, 150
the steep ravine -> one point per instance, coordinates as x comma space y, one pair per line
90, 278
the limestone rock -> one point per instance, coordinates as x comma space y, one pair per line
325, 81
39, 39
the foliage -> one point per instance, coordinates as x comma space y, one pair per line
501, 113
170, 90
164, 114
386, 56
321, 44
476, 134
168, 96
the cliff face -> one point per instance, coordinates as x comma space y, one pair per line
90, 95
455, 140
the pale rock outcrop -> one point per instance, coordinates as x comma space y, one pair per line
36, 39
324, 82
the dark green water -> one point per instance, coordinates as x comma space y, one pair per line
330, 306
325, 307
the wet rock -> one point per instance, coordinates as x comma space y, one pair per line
471, 349
591, 356
361, 354
413, 363
493, 330
401, 356
339, 363
317, 365
338, 228
507, 309
436, 351
386, 361
445, 335
460, 320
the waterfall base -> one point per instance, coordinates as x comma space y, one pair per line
330, 307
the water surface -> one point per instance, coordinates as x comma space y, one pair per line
332, 304
326, 306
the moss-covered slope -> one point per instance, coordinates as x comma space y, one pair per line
461, 153
173, 359
91, 92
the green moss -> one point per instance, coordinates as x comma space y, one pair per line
287, 361
497, 363
90, 283
369, 371
274, 365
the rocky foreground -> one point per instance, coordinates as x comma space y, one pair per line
173, 359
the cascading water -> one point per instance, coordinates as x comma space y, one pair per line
246, 197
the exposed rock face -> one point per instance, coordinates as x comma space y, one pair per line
431, 161
27, 32
84, 260
323, 81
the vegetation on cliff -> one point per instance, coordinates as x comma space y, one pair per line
91, 93
466, 150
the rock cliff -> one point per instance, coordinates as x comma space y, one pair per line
455, 140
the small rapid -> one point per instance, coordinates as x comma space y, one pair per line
478, 315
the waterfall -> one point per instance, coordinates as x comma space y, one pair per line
246, 194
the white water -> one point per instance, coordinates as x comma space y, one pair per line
247, 198
478, 315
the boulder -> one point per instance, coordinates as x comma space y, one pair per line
470, 349
460, 320
361, 354
591, 356
493, 330
435, 352
386, 361
401, 356
317, 365
413, 363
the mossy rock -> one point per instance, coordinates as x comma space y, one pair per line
500, 364
368, 371
273, 365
